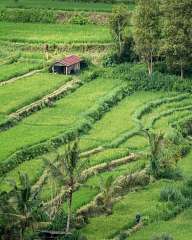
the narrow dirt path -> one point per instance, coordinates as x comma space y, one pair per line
27, 110
20, 77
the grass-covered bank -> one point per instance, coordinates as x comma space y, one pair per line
179, 228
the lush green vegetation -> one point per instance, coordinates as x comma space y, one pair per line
110, 157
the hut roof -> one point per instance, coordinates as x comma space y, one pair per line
70, 60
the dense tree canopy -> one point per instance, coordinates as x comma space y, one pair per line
177, 33
147, 31
118, 25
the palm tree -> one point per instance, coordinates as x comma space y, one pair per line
67, 169
21, 208
155, 144
107, 193
164, 155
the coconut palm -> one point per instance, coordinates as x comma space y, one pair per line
67, 169
107, 193
155, 143
21, 209
164, 154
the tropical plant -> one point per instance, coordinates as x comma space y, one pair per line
164, 155
164, 236
67, 169
107, 193
155, 141
21, 209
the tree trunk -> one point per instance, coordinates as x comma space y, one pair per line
150, 68
182, 72
69, 203
119, 39
150, 65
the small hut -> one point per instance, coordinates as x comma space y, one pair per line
68, 65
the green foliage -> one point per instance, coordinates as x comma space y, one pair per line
59, 222
128, 54
66, 169
107, 193
163, 236
28, 15
158, 81
171, 193
180, 196
21, 209
118, 26
177, 34
165, 151
147, 31
79, 19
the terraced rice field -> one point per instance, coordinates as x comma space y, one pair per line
50, 122
177, 227
115, 134
28, 89
8, 71
58, 5
37, 33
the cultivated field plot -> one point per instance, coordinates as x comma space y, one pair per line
27, 90
54, 33
60, 5
8, 71
178, 227
50, 122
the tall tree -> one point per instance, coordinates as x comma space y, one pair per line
147, 31
118, 24
67, 169
177, 33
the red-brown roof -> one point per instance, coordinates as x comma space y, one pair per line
68, 61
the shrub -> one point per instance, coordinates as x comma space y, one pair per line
85, 63
59, 222
128, 55
171, 193
186, 189
79, 19
158, 81
110, 60
164, 236
128, 182
28, 15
